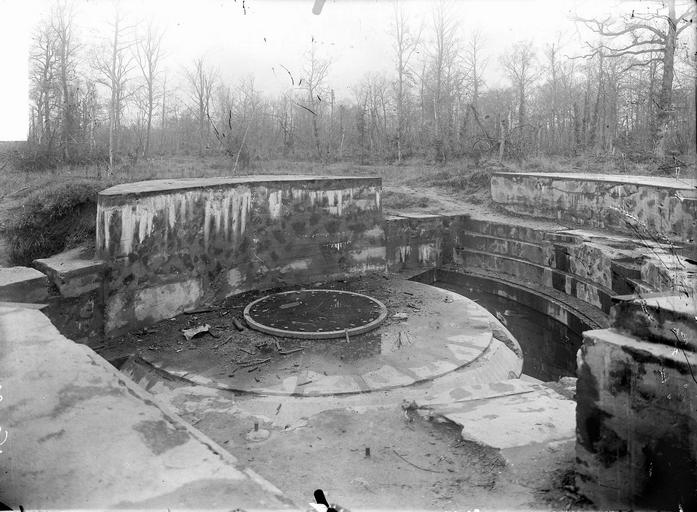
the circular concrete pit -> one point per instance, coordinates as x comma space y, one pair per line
425, 333
315, 314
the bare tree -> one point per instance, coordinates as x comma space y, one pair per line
114, 73
202, 81
475, 64
66, 49
43, 57
647, 37
442, 70
315, 74
148, 55
405, 45
518, 64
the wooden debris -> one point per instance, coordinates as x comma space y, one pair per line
201, 310
255, 363
348, 340
293, 351
412, 464
195, 331
227, 340
278, 408
238, 325
247, 351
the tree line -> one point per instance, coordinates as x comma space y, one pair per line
630, 92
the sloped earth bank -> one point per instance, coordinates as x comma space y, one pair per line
366, 451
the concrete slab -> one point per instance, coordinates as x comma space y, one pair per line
23, 284
82, 435
445, 332
518, 414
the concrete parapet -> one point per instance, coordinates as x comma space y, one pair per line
630, 204
637, 409
171, 245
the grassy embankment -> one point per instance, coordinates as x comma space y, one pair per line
43, 213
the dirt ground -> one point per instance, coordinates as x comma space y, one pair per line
413, 463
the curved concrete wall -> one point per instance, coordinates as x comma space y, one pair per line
171, 245
623, 203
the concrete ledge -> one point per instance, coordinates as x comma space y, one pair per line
73, 272
81, 435
78, 308
576, 314
665, 318
570, 284
23, 284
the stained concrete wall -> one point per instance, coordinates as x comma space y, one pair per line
584, 265
663, 206
418, 241
637, 408
171, 245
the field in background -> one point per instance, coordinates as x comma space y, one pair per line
42, 213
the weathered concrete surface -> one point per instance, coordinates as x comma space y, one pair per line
583, 264
625, 203
574, 313
22, 284
420, 240
173, 244
512, 413
77, 306
73, 272
636, 423
667, 319
442, 332
81, 435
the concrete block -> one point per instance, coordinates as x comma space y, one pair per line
23, 284
73, 272
636, 423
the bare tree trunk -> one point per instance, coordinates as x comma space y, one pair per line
502, 138
164, 96
666, 95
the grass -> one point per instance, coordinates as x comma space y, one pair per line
51, 220
42, 213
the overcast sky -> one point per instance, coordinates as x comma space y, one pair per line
256, 37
